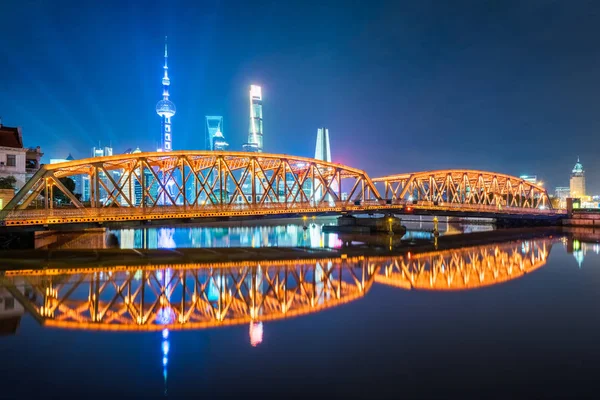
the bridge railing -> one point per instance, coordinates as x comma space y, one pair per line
465, 207
82, 215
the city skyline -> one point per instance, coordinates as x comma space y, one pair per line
507, 118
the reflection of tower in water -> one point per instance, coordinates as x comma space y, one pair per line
165, 316
255, 282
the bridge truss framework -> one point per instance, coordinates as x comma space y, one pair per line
465, 188
190, 184
200, 184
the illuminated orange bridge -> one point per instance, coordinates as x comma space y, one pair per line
206, 184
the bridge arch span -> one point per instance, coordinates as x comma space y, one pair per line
160, 185
462, 187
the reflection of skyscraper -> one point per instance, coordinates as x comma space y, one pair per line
11, 310
577, 181
214, 124
166, 109
256, 333
255, 132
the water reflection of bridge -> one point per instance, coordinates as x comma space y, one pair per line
196, 296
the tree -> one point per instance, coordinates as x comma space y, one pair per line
8, 182
58, 195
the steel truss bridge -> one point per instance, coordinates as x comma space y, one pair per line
206, 184
198, 296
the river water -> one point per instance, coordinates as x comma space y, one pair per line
509, 319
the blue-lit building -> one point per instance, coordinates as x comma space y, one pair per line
165, 108
255, 132
214, 124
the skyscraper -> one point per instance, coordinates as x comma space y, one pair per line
323, 149
255, 132
214, 124
102, 194
166, 109
561, 193
577, 184
323, 153
219, 143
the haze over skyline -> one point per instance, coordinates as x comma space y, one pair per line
510, 87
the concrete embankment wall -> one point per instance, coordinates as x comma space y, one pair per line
583, 218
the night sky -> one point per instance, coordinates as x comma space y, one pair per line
507, 86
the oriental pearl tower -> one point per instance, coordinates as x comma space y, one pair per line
166, 109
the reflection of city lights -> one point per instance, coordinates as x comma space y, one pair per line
165, 316
165, 238
256, 333
576, 245
165, 347
165, 333
165, 361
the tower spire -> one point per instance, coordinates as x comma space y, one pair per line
165, 108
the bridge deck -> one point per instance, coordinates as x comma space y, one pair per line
61, 216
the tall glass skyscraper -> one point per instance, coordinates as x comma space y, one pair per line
214, 124
323, 149
255, 132
323, 153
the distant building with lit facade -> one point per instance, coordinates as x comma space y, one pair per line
61, 160
323, 148
323, 153
219, 143
15, 159
85, 180
530, 179
577, 183
214, 124
562, 193
82, 182
255, 132
165, 109
215, 140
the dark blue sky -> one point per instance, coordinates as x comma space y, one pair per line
509, 86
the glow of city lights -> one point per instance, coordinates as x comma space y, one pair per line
165, 316
165, 333
165, 361
165, 347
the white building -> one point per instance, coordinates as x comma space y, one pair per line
15, 159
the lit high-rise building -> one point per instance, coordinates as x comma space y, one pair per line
100, 190
219, 143
577, 183
214, 124
255, 132
323, 153
530, 179
166, 109
561, 194
323, 149
102, 151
